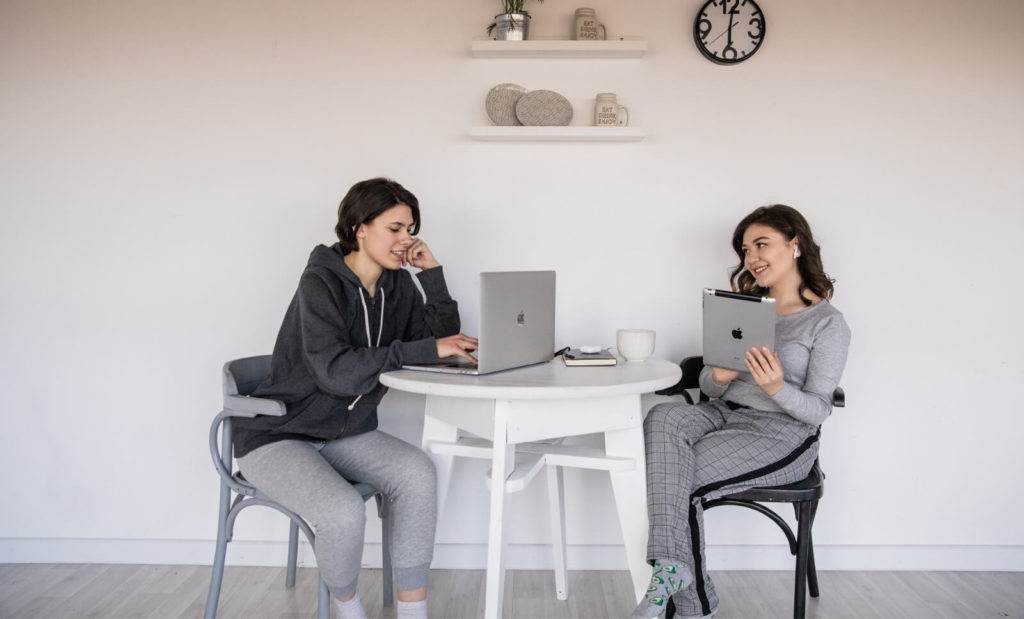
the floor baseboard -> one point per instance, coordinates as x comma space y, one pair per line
518, 556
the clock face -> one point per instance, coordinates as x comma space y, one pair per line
729, 31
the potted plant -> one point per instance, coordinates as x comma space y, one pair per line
513, 24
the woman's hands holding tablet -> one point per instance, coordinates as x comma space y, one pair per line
722, 376
766, 369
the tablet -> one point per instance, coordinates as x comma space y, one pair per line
733, 324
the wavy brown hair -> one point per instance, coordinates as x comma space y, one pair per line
788, 222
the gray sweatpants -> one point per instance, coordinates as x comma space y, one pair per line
309, 478
704, 451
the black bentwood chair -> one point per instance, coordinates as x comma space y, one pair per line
803, 495
241, 377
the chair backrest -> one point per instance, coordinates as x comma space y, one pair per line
242, 376
690, 379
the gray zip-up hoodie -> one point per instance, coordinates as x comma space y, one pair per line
334, 343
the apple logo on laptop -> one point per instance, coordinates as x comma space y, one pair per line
521, 318
737, 333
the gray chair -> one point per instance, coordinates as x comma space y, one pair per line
241, 377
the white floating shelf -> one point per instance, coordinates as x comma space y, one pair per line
626, 47
558, 134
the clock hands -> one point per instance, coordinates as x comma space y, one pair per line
712, 41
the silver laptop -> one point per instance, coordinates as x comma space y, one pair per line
733, 324
517, 324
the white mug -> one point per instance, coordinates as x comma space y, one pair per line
635, 344
608, 112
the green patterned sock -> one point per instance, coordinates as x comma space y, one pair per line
666, 580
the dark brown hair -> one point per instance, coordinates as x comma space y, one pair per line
788, 222
365, 201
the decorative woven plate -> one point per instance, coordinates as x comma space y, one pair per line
501, 104
544, 108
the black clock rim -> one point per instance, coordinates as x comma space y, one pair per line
715, 59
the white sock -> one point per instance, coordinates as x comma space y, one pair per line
352, 609
411, 610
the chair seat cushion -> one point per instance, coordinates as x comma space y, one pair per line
810, 488
365, 490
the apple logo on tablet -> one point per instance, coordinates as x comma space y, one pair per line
521, 318
737, 333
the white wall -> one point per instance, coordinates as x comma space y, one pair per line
167, 166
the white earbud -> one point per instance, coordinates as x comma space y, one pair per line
796, 252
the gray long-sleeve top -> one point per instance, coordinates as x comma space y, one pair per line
812, 346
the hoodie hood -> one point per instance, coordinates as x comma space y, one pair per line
333, 259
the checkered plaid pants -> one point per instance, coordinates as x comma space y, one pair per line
701, 452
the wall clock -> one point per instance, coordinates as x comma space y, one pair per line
729, 31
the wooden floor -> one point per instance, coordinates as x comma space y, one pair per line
70, 591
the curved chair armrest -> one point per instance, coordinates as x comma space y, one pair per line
690, 378
691, 367
245, 406
237, 406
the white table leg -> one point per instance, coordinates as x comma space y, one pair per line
630, 488
436, 430
556, 507
502, 465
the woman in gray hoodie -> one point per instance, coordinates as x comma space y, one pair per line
356, 313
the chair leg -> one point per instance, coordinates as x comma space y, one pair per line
812, 571
217, 574
293, 554
556, 510
324, 602
802, 551
387, 575
220, 553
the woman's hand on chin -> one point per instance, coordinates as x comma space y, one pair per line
420, 256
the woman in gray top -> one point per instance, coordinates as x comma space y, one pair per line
356, 313
761, 426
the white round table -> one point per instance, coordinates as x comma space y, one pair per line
509, 412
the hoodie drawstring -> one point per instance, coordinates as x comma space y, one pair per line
366, 321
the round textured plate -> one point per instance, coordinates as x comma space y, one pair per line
501, 104
543, 108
